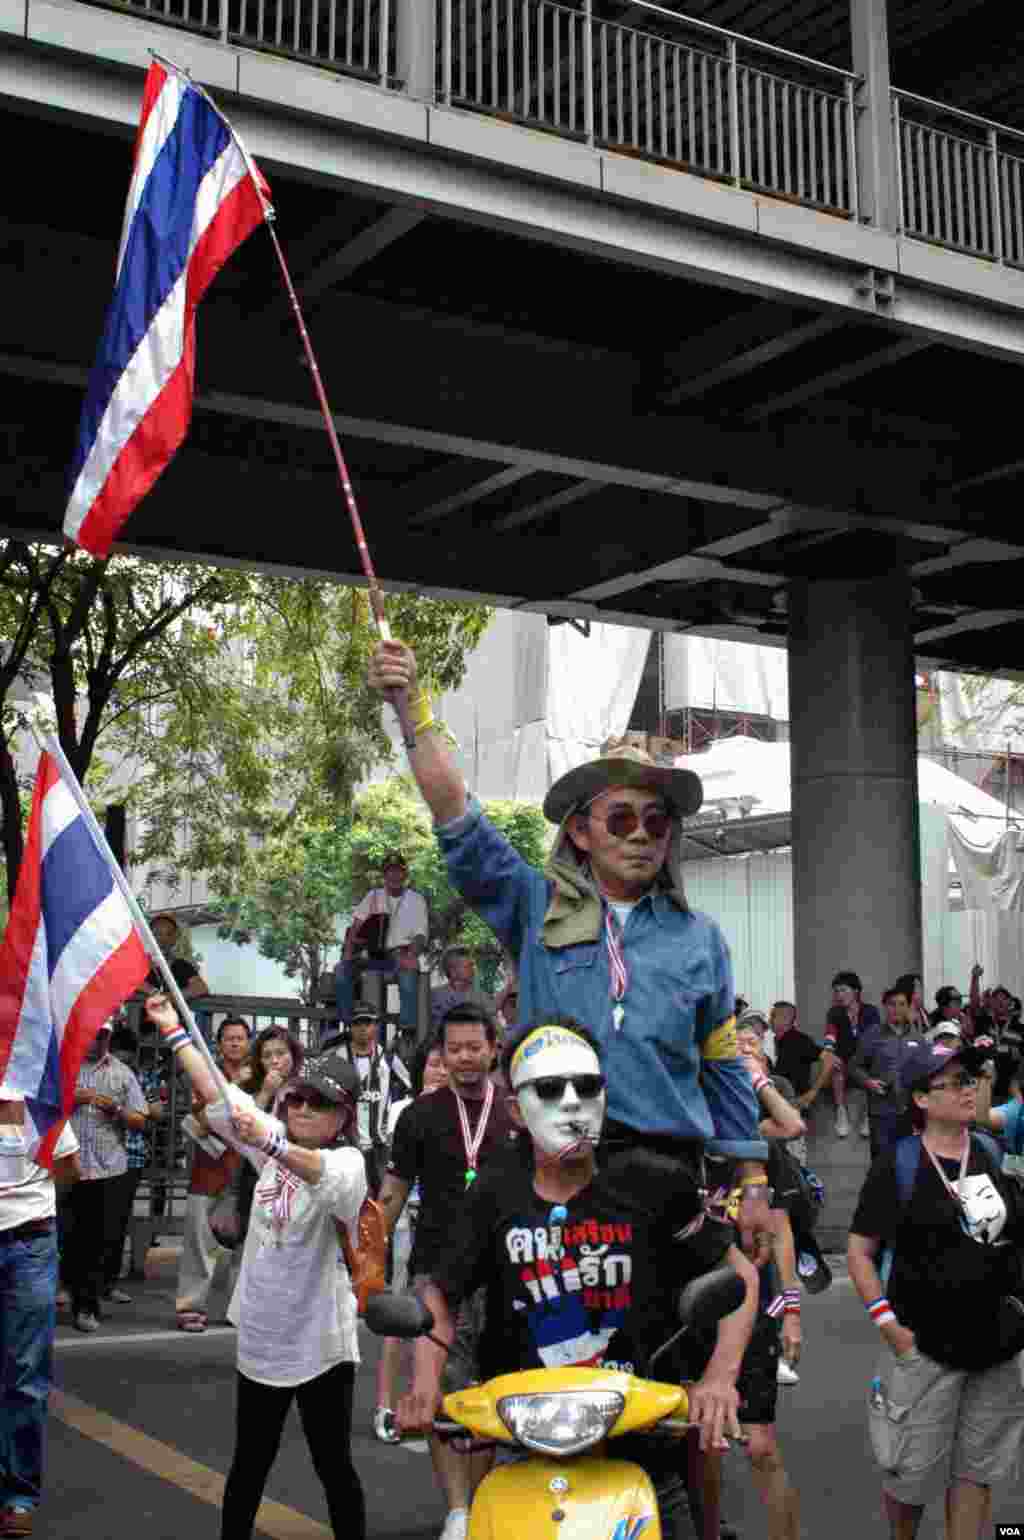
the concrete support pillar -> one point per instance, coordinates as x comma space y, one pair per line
876, 147
853, 728
416, 45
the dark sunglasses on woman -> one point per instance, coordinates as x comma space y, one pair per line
311, 1099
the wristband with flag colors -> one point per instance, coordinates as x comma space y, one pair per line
174, 1037
275, 1143
880, 1311
791, 1301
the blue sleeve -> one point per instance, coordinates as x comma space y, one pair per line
1012, 1112
492, 877
728, 1092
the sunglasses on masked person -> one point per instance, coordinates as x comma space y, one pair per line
551, 1088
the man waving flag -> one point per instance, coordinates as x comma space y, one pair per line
70, 956
194, 197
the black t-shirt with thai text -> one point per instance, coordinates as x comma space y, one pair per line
796, 1054
951, 1265
599, 1286
428, 1148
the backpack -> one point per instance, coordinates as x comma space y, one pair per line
908, 1159
798, 1190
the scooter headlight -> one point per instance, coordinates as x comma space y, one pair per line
562, 1422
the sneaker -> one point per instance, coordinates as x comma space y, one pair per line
455, 1525
865, 1127
16, 1521
384, 1426
118, 1296
842, 1122
84, 1320
785, 1375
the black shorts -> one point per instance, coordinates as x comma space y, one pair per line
758, 1383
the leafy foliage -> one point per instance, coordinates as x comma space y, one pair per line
227, 709
111, 642
290, 728
289, 897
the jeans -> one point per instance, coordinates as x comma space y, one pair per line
408, 988
325, 1411
28, 1288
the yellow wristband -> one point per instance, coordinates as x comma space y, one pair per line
421, 712
754, 1181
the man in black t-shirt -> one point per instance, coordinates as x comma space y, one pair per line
186, 975
581, 1265
947, 1404
796, 1054
442, 1142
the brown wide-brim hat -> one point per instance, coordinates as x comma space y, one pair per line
625, 765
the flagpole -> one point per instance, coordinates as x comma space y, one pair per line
397, 698
50, 745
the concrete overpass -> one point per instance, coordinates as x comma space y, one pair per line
692, 322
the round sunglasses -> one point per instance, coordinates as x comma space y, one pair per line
624, 820
551, 1088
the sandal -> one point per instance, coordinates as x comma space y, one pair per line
191, 1320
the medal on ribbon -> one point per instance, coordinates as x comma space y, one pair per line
471, 1142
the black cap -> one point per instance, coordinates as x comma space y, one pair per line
332, 1075
364, 1011
394, 858
930, 1059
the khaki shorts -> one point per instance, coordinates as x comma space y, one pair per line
943, 1425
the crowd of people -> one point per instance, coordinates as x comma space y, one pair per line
548, 1176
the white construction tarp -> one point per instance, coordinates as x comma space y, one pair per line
539, 699
710, 675
751, 896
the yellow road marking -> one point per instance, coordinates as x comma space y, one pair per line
274, 1519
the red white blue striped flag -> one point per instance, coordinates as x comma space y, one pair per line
194, 197
69, 957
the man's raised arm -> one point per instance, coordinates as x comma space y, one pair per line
393, 667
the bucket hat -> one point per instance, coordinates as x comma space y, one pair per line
624, 765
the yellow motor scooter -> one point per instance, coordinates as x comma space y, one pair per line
565, 1486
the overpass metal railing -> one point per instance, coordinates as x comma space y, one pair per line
353, 36
703, 99
961, 179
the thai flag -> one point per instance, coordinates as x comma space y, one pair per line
194, 197
70, 956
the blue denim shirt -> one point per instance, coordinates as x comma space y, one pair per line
678, 1009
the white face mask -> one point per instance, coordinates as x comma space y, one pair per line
567, 1125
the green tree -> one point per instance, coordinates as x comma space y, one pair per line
291, 896
111, 641
290, 729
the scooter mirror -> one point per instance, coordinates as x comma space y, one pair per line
709, 1298
397, 1315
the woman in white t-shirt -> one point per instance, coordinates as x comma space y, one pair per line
293, 1305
